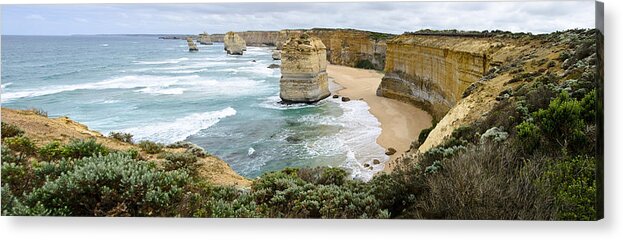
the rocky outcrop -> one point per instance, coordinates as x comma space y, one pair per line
234, 44
276, 55
432, 72
192, 47
204, 39
303, 70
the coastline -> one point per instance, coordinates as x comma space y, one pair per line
401, 122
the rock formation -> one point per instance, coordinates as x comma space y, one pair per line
432, 72
204, 39
192, 47
234, 44
354, 48
276, 55
252, 38
303, 70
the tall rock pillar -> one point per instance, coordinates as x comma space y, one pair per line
303, 70
234, 44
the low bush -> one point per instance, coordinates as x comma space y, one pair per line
124, 137
150, 147
9, 130
51, 151
22, 146
181, 161
365, 64
112, 185
79, 148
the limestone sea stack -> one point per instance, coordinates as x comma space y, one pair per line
204, 39
276, 55
234, 44
192, 47
304, 77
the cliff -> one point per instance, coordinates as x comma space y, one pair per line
303, 70
432, 72
234, 44
348, 47
204, 39
252, 38
42, 130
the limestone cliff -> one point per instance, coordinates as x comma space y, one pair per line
432, 72
303, 70
354, 48
234, 44
252, 38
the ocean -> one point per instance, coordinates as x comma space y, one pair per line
156, 90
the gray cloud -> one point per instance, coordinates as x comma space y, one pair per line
391, 17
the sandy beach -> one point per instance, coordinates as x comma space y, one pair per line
401, 123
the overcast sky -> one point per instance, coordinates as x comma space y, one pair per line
390, 17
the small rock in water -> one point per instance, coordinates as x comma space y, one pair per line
274, 66
253, 60
336, 96
376, 161
365, 165
390, 151
345, 99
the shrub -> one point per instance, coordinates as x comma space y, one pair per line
190, 147
79, 148
9, 130
365, 64
39, 112
573, 183
51, 151
21, 145
150, 147
335, 176
424, 133
112, 185
124, 137
529, 134
561, 122
181, 161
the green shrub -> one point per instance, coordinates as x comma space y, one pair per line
181, 161
589, 106
9, 130
573, 183
79, 148
529, 134
112, 185
562, 121
51, 151
124, 137
365, 64
336, 176
22, 146
150, 147
424, 133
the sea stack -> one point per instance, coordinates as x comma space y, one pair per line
192, 47
204, 39
234, 44
276, 55
304, 77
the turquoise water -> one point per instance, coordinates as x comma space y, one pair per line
157, 90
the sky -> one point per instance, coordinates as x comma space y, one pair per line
387, 17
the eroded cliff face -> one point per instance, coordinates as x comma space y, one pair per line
348, 47
354, 48
253, 38
432, 72
303, 70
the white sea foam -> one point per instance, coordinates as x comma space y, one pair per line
251, 151
161, 91
4, 85
171, 61
357, 138
181, 128
104, 45
125, 82
274, 102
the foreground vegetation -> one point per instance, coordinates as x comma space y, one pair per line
532, 157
